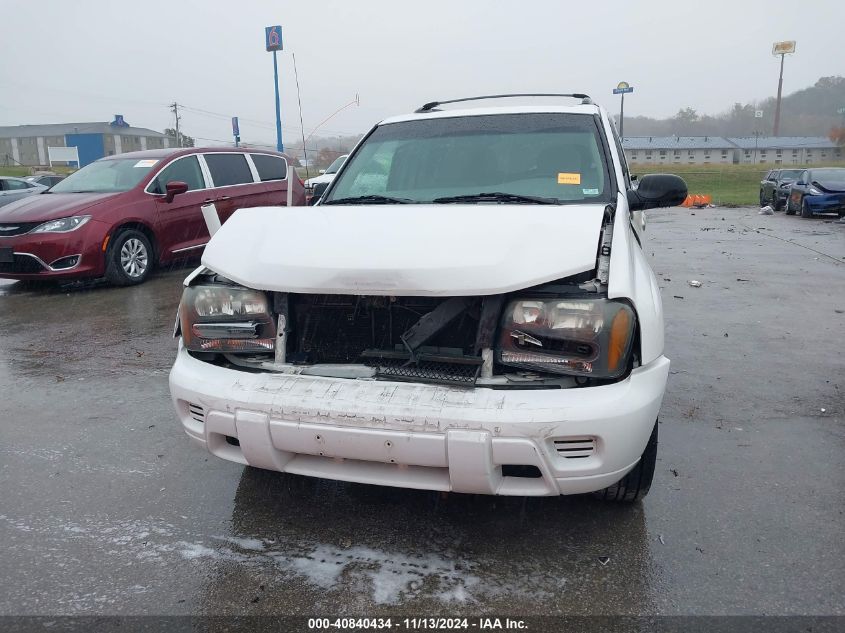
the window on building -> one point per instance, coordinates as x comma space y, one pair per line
677, 152
778, 152
724, 153
747, 153
690, 153
270, 167
707, 157
662, 153
186, 169
795, 152
633, 154
228, 169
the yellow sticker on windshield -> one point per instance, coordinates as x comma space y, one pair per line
564, 178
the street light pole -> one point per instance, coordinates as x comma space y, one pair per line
782, 49
622, 117
780, 90
273, 43
280, 147
621, 89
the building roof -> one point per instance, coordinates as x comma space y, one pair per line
60, 129
676, 142
785, 142
731, 142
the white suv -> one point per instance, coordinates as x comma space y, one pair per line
467, 309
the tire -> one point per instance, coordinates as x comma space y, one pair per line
775, 203
789, 209
129, 260
762, 199
805, 208
636, 484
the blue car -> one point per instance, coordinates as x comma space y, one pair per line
818, 191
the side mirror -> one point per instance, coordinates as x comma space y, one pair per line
322, 171
657, 190
173, 189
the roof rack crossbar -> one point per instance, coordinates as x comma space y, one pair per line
428, 107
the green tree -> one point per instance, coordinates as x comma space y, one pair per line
187, 141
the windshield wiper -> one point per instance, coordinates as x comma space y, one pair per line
497, 196
373, 199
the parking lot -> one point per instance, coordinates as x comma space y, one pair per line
107, 509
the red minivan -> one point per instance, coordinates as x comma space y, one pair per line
121, 215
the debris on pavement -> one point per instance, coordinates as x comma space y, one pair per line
694, 283
660, 538
767, 210
677, 296
604, 560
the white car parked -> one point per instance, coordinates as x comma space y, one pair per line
314, 187
469, 309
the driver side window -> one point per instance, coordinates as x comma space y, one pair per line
185, 169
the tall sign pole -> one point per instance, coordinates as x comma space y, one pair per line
621, 88
273, 43
782, 49
236, 131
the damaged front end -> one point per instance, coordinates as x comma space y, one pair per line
561, 334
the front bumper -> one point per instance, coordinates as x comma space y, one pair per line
826, 203
421, 436
36, 254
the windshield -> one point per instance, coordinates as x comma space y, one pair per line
828, 175
336, 164
555, 156
790, 174
106, 176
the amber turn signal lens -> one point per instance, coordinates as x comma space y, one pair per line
617, 347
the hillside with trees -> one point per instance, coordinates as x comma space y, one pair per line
808, 112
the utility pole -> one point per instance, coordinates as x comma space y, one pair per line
174, 107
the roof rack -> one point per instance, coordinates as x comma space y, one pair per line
429, 107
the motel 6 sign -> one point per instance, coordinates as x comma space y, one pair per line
273, 38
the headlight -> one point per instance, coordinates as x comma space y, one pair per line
814, 192
577, 337
63, 225
222, 318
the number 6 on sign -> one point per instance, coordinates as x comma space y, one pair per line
273, 38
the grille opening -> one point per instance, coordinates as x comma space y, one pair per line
196, 412
575, 447
369, 329
23, 264
232, 440
525, 471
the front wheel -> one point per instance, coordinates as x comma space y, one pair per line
762, 199
806, 212
790, 210
636, 484
129, 259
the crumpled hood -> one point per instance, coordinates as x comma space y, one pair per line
50, 206
435, 250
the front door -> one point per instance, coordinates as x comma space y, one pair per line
180, 223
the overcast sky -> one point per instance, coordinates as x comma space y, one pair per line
85, 61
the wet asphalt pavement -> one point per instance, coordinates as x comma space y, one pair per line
105, 508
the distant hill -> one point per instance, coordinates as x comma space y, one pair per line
807, 112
